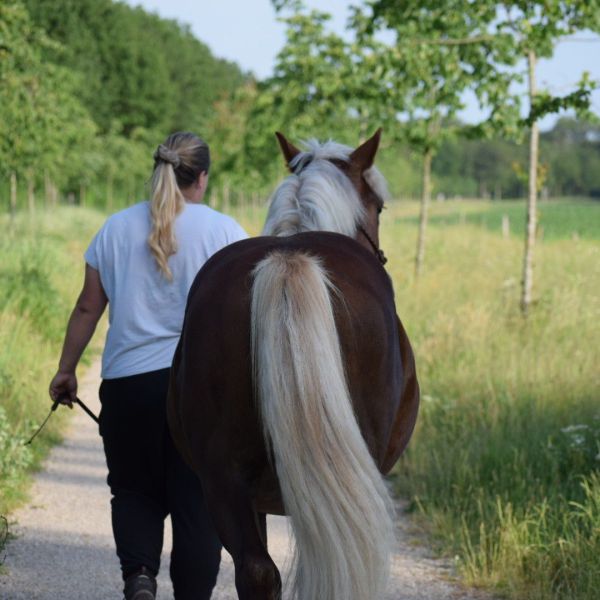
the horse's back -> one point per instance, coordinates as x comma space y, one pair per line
212, 406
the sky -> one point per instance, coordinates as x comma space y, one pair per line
248, 33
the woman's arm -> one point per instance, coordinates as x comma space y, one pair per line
85, 316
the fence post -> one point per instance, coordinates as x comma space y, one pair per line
31, 196
225, 206
46, 189
13, 194
505, 227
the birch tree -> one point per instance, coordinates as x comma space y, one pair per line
533, 28
490, 40
433, 63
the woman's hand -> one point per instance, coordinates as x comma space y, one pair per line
64, 386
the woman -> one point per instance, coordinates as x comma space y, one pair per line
142, 263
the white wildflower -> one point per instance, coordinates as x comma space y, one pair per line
577, 440
574, 428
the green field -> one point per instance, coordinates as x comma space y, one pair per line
503, 470
562, 219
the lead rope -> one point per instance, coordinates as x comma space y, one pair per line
378, 251
54, 407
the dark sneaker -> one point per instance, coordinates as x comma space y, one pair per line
141, 585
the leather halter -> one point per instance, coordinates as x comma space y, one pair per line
378, 251
339, 164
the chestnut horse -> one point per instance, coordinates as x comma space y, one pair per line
293, 387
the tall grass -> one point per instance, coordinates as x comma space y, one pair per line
504, 464
503, 469
40, 274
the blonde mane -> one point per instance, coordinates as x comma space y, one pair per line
318, 196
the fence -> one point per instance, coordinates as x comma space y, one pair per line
29, 195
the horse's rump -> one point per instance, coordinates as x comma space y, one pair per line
214, 352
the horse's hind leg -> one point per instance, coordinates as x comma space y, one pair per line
243, 533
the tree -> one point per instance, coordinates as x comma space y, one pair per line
534, 27
311, 92
431, 64
41, 120
89, 87
494, 37
137, 68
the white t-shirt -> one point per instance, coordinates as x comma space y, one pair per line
145, 309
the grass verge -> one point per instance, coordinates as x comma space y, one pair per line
503, 468
40, 275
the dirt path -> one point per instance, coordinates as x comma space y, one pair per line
64, 550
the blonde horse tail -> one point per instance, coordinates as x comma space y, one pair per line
340, 509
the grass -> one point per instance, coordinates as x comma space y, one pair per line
503, 469
40, 274
558, 219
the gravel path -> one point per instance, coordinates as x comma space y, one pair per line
63, 548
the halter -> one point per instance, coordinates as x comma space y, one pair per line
298, 168
378, 251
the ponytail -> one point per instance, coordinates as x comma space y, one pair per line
177, 164
166, 203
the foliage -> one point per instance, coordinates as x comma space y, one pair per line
310, 94
570, 157
36, 297
432, 62
87, 90
139, 69
42, 123
15, 457
491, 40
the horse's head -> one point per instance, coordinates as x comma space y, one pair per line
331, 188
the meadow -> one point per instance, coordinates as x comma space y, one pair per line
504, 468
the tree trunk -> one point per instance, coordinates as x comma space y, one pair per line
31, 196
110, 192
47, 190
425, 199
225, 198
527, 281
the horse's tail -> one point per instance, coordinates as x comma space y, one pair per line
340, 509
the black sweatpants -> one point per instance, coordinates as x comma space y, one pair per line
148, 481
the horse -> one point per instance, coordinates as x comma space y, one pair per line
293, 387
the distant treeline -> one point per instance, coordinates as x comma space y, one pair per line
569, 164
88, 88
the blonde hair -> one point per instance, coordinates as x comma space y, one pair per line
178, 162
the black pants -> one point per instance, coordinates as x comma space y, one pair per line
149, 480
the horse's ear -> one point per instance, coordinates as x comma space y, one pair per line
364, 155
288, 149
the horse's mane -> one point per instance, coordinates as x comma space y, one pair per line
318, 196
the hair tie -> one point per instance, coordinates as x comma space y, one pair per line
167, 155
